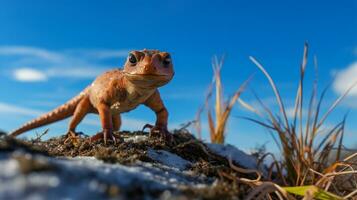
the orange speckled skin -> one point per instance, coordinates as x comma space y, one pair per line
117, 91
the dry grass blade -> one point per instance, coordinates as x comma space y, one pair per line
330, 175
260, 189
259, 122
314, 129
271, 118
302, 76
266, 188
39, 136
351, 195
302, 143
249, 107
328, 138
217, 124
350, 157
211, 125
246, 171
275, 89
275, 163
228, 108
311, 110
333, 106
197, 124
217, 66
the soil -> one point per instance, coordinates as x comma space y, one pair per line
128, 152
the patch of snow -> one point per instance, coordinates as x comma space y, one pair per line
9, 168
231, 152
169, 159
89, 178
237, 156
136, 138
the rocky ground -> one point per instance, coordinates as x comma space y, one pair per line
140, 167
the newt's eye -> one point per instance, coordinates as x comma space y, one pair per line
167, 60
132, 59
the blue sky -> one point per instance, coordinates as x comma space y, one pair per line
50, 51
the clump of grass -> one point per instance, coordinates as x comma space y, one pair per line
306, 143
303, 140
222, 108
321, 190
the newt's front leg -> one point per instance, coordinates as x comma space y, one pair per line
107, 124
155, 103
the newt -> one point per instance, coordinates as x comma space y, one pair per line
114, 92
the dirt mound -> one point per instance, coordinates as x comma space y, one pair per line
185, 153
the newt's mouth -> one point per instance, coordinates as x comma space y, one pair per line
148, 80
147, 76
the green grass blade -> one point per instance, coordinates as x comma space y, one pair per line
317, 192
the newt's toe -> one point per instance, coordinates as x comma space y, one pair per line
105, 135
73, 137
159, 131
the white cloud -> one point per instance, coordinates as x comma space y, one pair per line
99, 53
290, 112
6, 108
345, 79
103, 54
80, 72
34, 75
43, 64
30, 51
57, 56
29, 75
350, 102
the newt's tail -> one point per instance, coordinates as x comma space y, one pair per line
61, 112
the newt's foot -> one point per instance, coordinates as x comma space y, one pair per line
73, 137
159, 131
105, 135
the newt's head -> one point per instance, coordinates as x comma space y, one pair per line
149, 68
